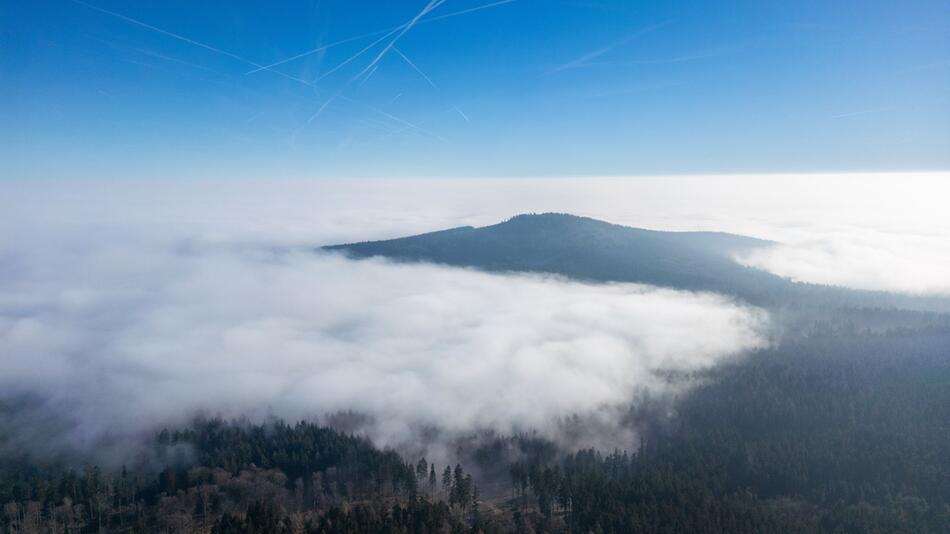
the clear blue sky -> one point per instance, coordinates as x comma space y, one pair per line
163, 88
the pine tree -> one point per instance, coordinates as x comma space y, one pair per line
422, 469
447, 480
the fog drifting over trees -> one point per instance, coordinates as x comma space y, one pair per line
142, 304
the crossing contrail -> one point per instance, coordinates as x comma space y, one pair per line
429, 7
387, 32
253, 64
354, 56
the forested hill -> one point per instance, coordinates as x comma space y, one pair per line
596, 251
592, 250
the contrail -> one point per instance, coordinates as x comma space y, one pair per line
861, 112
319, 111
405, 122
601, 51
368, 76
354, 56
185, 39
293, 135
413, 65
183, 62
702, 54
163, 32
315, 50
465, 11
429, 7
387, 31
455, 109
252, 63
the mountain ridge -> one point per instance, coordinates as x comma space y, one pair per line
591, 250
586, 249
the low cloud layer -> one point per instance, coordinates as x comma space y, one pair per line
122, 333
862, 258
128, 305
870, 231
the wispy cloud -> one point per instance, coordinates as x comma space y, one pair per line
601, 51
139, 334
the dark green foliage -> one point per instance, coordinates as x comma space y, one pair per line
838, 433
258, 479
262, 517
297, 450
841, 430
843, 427
421, 517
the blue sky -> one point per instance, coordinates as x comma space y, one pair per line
164, 89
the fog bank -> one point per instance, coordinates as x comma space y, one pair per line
884, 231
120, 336
128, 305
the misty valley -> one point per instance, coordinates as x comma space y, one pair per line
550, 373
474, 267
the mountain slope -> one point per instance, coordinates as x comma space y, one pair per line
597, 251
588, 249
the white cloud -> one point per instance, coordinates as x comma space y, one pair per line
132, 303
125, 333
863, 258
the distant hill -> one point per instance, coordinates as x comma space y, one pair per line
588, 249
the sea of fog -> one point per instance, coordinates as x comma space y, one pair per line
125, 305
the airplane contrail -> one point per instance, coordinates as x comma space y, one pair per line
465, 11
315, 50
320, 110
860, 112
581, 61
184, 39
464, 116
387, 31
354, 56
252, 63
368, 76
429, 7
163, 32
413, 65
